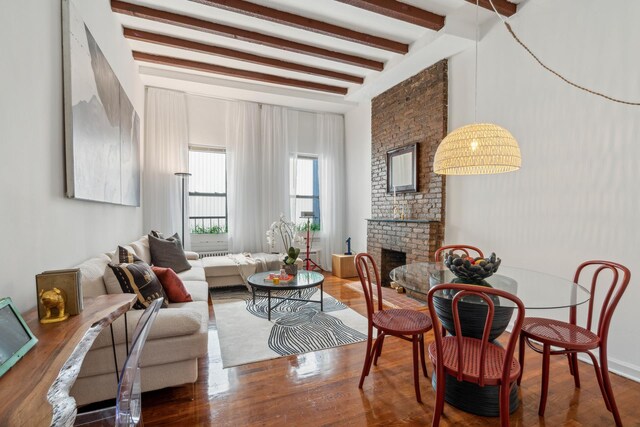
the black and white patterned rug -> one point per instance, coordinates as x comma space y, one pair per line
296, 327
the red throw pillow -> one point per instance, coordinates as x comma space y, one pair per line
172, 284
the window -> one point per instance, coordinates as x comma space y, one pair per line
304, 173
207, 190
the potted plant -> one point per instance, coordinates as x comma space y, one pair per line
287, 232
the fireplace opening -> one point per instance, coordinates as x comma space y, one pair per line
390, 259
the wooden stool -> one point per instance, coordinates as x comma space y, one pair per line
343, 266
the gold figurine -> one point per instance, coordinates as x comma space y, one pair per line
53, 300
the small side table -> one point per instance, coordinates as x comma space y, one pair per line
343, 266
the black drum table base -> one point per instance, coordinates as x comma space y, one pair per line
472, 398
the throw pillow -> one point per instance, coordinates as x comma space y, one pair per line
172, 284
168, 253
121, 255
157, 234
138, 278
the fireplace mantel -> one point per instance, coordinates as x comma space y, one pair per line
422, 221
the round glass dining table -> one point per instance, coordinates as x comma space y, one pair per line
535, 289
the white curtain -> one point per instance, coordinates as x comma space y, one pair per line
258, 150
166, 153
275, 148
331, 173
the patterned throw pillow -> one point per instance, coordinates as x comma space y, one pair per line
168, 253
138, 278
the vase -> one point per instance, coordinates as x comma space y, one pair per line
291, 269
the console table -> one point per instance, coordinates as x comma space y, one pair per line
35, 392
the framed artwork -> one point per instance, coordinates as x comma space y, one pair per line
402, 169
102, 129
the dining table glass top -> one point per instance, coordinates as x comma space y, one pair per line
536, 290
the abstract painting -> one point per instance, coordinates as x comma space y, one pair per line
102, 128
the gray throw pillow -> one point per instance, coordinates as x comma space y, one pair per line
168, 253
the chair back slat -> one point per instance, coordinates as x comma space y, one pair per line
470, 251
369, 277
620, 277
485, 333
484, 293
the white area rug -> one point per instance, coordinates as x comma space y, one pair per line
246, 336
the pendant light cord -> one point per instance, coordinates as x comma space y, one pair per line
542, 64
475, 102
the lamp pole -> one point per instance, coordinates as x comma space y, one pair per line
183, 176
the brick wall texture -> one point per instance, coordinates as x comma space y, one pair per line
412, 111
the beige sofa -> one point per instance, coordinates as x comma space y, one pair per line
177, 338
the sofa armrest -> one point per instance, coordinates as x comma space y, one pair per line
191, 255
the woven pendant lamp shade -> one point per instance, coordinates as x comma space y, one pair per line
476, 149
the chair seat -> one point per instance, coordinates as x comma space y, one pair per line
493, 361
559, 333
402, 321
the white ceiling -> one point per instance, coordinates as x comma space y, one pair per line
425, 48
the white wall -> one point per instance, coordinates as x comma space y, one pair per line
576, 196
358, 176
208, 124
42, 229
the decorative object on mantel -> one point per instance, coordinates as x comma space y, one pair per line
402, 176
477, 148
472, 270
287, 232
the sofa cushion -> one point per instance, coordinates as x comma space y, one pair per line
168, 253
195, 273
91, 272
220, 266
141, 249
199, 290
191, 255
172, 285
138, 278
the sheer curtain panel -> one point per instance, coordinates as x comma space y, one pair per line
331, 173
166, 152
244, 174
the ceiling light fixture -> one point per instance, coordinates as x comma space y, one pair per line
477, 148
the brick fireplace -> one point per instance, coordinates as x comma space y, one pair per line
414, 111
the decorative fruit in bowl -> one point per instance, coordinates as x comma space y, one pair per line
471, 269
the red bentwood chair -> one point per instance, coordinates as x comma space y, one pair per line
471, 359
466, 249
410, 325
573, 339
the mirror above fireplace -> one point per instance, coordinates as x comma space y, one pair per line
401, 169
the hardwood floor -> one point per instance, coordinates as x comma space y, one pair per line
321, 389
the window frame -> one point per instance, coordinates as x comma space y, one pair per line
214, 149
316, 199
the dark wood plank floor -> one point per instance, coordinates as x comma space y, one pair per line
321, 389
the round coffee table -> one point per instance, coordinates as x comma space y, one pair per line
303, 280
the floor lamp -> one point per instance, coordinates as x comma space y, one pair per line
308, 215
183, 176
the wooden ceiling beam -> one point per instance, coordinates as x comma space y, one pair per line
240, 34
236, 72
401, 11
163, 40
502, 6
308, 24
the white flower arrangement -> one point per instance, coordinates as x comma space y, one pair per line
287, 231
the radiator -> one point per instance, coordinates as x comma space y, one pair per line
212, 253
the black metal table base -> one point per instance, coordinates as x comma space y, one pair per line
284, 299
472, 398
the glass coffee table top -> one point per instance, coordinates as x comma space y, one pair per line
537, 290
304, 279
